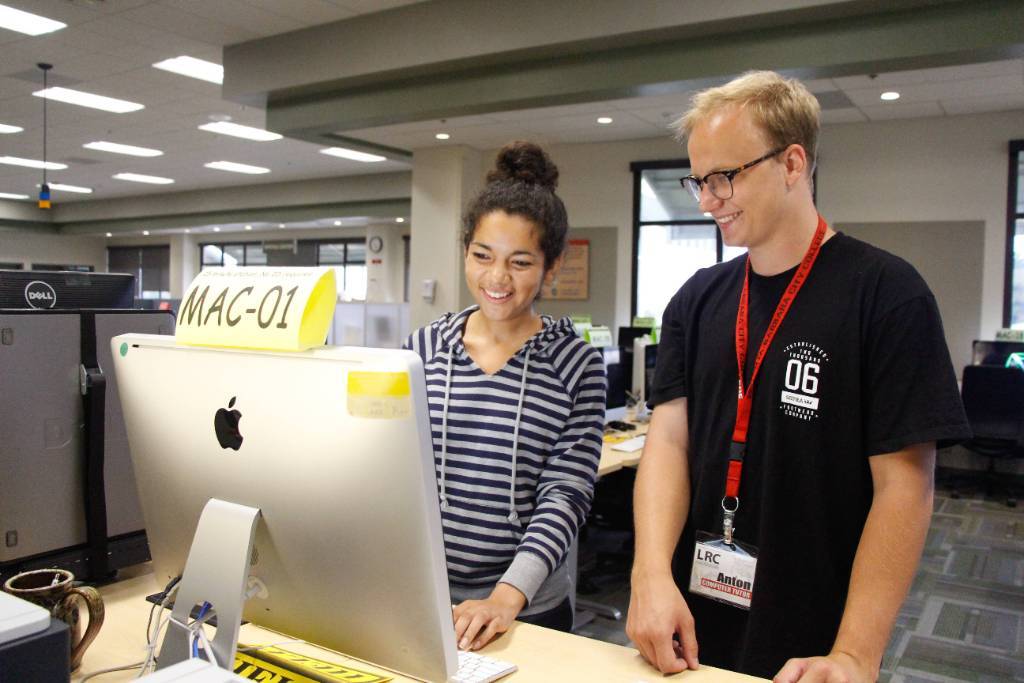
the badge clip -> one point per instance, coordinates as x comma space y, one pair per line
728, 517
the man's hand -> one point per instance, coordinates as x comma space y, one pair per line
477, 622
660, 623
837, 667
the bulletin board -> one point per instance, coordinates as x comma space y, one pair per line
573, 280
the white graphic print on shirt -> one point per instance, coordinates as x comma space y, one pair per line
801, 383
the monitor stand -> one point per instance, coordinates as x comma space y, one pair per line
215, 572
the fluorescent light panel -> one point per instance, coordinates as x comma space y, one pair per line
6, 128
88, 99
236, 168
26, 22
9, 195
352, 154
193, 68
240, 131
142, 178
32, 163
70, 188
117, 148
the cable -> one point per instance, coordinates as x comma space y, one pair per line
111, 670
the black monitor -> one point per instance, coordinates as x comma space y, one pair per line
994, 352
628, 334
65, 289
617, 369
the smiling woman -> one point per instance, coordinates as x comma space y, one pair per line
516, 409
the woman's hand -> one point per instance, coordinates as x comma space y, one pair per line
477, 622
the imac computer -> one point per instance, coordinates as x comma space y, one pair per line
645, 358
333, 447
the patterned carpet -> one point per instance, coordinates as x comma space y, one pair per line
964, 617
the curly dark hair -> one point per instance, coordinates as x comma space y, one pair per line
523, 183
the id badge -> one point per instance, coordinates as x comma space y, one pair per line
723, 571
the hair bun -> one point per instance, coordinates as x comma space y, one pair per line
524, 162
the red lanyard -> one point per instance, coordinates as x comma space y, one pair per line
746, 395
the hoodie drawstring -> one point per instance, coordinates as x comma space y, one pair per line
513, 515
444, 427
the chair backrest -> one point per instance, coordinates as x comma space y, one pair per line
994, 401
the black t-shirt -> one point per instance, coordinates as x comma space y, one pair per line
858, 368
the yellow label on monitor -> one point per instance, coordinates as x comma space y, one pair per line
379, 395
282, 309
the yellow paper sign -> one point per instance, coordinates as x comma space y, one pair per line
282, 309
274, 665
379, 395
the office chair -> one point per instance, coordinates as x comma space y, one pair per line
994, 402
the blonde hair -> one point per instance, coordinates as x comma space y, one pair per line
783, 108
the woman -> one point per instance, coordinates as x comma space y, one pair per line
516, 410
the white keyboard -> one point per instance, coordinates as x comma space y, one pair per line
477, 668
634, 444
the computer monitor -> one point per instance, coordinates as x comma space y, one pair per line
616, 370
65, 289
333, 446
645, 358
628, 333
994, 352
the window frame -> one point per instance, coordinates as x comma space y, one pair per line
1016, 155
637, 168
221, 245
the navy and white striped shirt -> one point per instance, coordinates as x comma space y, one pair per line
540, 416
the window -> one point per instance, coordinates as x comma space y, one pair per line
229, 255
5, 265
1013, 295
672, 238
151, 267
348, 258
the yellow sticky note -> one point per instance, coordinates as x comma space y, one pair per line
379, 395
283, 309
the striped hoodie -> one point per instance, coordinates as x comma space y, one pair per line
516, 456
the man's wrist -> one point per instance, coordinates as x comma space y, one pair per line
866, 664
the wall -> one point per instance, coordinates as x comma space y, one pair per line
600, 303
27, 246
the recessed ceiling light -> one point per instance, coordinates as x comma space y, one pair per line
236, 168
116, 148
352, 154
337, 222
248, 227
216, 229
194, 68
146, 233
604, 120
32, 163
26, 22
142, 178
239, 131
281, 225
110, 234
88, 99
7, 129
187, 230
442, 136
399, 220
890, 95
9, 195
61, 187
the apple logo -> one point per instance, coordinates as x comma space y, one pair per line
225, 424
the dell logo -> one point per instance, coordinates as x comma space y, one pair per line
39, 294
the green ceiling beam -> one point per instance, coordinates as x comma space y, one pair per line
934, 35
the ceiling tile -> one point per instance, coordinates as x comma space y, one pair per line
896, 110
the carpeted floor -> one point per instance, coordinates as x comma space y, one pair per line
963, 619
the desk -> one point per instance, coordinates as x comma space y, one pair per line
613, 461
542, 655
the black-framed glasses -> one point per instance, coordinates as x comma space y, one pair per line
720, 182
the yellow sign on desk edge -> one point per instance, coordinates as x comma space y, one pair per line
272, 664
281, 309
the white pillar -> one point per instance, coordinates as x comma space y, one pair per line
444, 179
385, 267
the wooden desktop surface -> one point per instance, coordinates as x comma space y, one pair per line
543, 655
613, 460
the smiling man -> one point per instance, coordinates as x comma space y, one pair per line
785, 488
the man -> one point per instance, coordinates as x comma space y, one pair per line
778, 527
